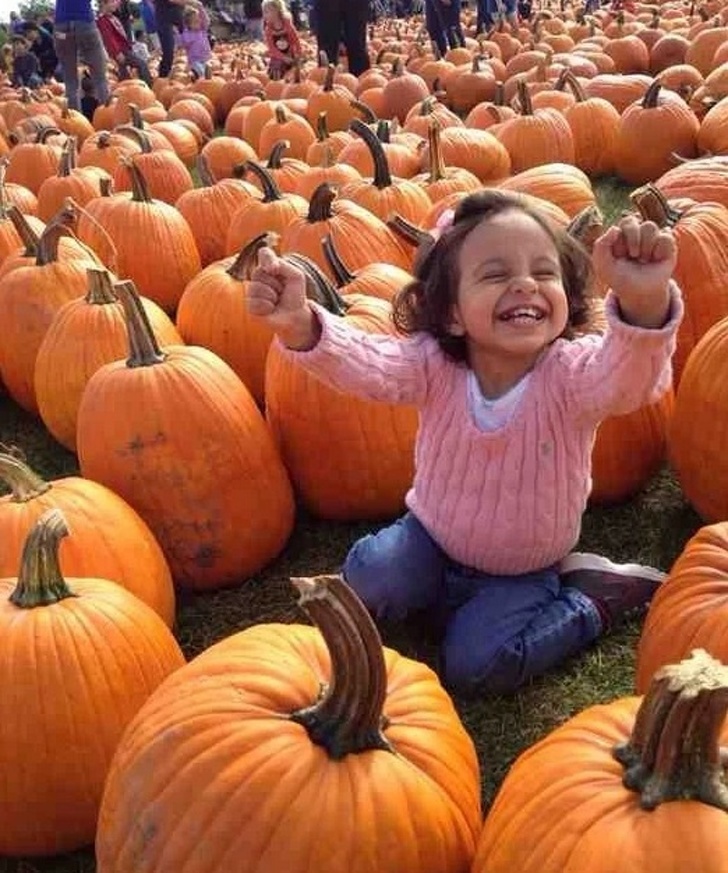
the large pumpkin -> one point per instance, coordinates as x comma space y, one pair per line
690, 608
698, 434
179, 437
348, 458
283, 749
79, 657
636, 785
110, 541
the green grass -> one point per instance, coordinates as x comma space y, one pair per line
652, 528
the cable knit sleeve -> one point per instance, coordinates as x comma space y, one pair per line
622, 370
373, 366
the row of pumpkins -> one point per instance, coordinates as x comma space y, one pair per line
284, 748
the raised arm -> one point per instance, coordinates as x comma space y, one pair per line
375, 366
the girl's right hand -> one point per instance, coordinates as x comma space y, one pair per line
277, 293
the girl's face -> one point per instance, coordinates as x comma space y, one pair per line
271, 16
511, 301
193, 22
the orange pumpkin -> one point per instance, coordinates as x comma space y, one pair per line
178, 436
110, 541
630, 785
82, 657
313, 739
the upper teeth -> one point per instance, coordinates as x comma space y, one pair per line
528, 311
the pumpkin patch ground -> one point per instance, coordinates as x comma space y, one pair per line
651, 528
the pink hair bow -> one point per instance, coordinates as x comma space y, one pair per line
443, 223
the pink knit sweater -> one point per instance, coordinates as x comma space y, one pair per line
508, 501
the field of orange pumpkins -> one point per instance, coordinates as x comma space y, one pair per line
177, 497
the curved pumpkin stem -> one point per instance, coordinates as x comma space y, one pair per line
47, 248
674, 752
139, 188
652, 205
27, 235
276, 154
524, 97
23, 482
318, 285
68, 158
138, 135
247, 259
342, 274
144, 350
382, 176
271, 191
40, 581
349, 717
650, 100
438, 170
322, 127
409, 232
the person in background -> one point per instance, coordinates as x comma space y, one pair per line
194, 39
253, 11
123, 13
281, 39
139, 46
343, 20
76, 36
26, 69
89, 103
146, 10
41, 44
6, 60
17, 25
117, 44
442, 20
297, 14
169, 19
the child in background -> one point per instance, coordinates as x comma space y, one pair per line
139, 47
26, 69
194, 39
117, 43
281, 39
509, 404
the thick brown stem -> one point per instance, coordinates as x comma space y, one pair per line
409, 232
438, 170
22, 481
47, 248
139, 188
342, 274
40, 581
524, 97
349, 716
271, 191
367, 113
575, 87
382, 177
318, 285
276, 154
138, 135
247, 259
68, 158
319, 208
46, 132
100, 289
587, 226
674, 752
144, 349
27, 235
649, 101
652, 205
322, 127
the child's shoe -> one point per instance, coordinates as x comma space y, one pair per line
618, 590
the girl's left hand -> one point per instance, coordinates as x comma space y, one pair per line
636, 259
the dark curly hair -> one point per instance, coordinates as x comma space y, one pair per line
426, 303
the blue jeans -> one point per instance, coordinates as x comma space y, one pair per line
80, 42
499, 630
443, 24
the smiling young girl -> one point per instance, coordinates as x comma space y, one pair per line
509, 405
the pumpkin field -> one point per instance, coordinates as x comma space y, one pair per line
177, 499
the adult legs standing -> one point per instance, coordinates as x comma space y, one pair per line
165, 31
329, 26
355, 15
80, 41
435, 24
